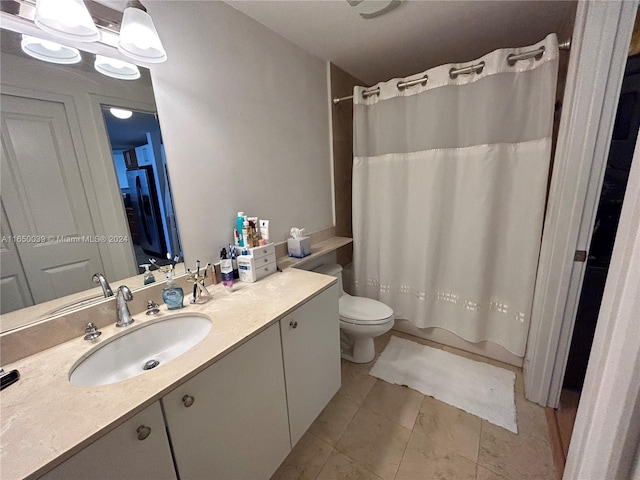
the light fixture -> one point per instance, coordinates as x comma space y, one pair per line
121, 113
49, 51
112, 67
68, 19
373, 8
138, 36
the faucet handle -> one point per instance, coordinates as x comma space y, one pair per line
91, 331
152, 307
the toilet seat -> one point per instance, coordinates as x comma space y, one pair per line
363, 311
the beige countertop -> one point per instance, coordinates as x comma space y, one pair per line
74, 301
318, 249
44, 419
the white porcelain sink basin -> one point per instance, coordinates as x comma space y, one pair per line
142, 348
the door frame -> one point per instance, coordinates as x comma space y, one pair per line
606, 433
113, 209
600, 42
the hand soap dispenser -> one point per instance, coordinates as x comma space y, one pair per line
148, 274
172, 294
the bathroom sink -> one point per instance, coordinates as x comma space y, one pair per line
144, 347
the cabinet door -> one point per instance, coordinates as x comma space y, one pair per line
311, 352
138, 449
230, 421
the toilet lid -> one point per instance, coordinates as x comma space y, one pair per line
363, 310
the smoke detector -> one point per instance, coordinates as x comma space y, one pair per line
373, 8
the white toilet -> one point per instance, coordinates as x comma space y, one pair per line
361, 320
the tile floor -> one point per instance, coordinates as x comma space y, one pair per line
374, 430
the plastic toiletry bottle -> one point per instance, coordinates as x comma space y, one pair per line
234, 262
264, 230
226, 269
148, 274
172, 294
247, 233
239, 224
255, 231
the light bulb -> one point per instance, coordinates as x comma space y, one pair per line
121, 113
51, 46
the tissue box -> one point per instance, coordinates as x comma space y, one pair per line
299, 247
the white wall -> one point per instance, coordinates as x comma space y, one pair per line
244, 118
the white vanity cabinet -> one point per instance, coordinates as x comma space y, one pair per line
137, 449
237, 419
230, 421
311, 354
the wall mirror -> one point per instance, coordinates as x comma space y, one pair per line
83, 191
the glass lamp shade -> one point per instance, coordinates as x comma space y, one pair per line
49, 51
68, 19
112, 67
139, 38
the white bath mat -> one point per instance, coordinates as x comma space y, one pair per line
478, 388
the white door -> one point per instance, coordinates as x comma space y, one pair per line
44, 198
14, 290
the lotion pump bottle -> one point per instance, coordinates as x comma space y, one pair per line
172, 294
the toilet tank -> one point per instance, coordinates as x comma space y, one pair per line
332, 269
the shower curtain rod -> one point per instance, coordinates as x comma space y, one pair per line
454, 72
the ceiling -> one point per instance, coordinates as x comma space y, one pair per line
417, 35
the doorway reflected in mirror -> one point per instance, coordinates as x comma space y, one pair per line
141, 167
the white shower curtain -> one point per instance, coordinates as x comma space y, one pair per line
449, 185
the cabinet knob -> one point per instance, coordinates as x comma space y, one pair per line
143, 432
188, 400
293, 324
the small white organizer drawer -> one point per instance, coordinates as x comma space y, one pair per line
250, 273
258, 252
252, 269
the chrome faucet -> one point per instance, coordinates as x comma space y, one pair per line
123, 295
106, 289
